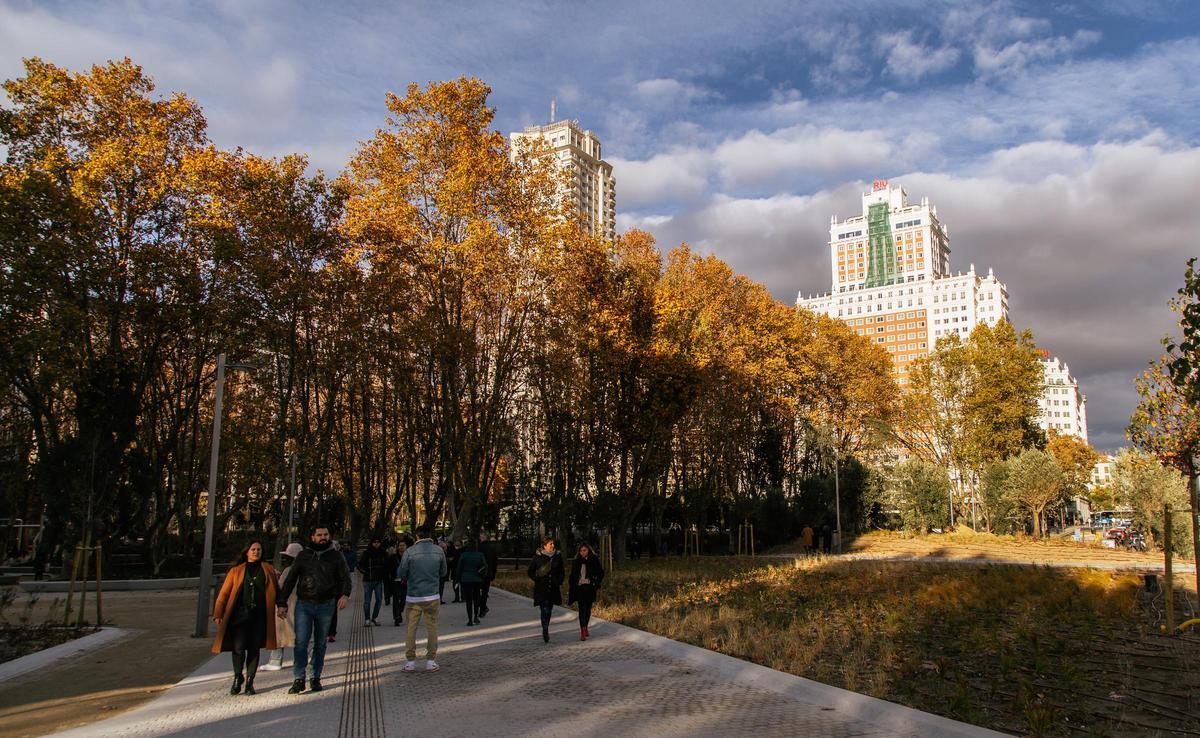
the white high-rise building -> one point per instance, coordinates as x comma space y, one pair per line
1062, 408
592, 189
891, 278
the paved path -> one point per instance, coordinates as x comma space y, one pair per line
499, 679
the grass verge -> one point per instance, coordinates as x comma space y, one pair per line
1034, 651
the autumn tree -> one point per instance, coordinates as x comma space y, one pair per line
1077, 459
973, 404
461, 234
1166, 422
98, 282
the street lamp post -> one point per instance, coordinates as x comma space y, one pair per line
206, 563
291, 516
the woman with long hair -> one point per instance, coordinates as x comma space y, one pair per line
245, 614
586, 575
546, 571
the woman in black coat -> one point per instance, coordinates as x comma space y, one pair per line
546, 571
586, 575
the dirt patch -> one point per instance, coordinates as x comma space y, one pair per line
968, 545
17, 642
119, 676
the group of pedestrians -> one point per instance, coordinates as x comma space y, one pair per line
261, 608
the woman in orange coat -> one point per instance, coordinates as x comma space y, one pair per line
245, 615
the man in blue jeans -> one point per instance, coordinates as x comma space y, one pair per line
322, 583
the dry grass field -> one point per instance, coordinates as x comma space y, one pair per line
1026, 650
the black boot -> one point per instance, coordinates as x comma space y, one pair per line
297, 687
237, 684
250, 687
545, 635
315, 685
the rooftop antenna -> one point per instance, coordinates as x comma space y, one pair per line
553, 109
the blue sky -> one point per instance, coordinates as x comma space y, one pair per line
1059, 140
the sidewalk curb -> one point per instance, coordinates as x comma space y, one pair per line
46, 657
901, 720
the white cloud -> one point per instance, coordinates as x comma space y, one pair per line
665, 92
1014, 57
758, 158
910, 61
670, 177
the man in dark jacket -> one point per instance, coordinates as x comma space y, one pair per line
373, 565
322, 583
491, 552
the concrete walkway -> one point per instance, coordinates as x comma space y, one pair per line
500, 679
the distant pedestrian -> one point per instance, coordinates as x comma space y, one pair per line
322, 584
285, 631
452, 554
424, 567
546, 571
243, 614
399, 586
586, 575
635, 547
491, 552
806, 538
472, 568
826, 538
373, 565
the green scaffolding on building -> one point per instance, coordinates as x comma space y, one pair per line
882, 266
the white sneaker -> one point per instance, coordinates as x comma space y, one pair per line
271, 667
431, 665
409, 666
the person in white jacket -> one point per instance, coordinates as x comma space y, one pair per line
285, 632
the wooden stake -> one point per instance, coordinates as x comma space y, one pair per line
71, 585
99, 590
1169, 577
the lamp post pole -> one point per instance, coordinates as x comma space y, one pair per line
206, 564
291, 511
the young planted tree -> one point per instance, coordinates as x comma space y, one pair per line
1142, 484
921, 492
1036, 484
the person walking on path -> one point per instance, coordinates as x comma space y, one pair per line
472, 568
424, 567
546, 571
242, 613
491, 552
586, 575
285, 631
452, 554
373, 566
399, 586
322, 584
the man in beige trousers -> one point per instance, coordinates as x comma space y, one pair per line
423, 566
